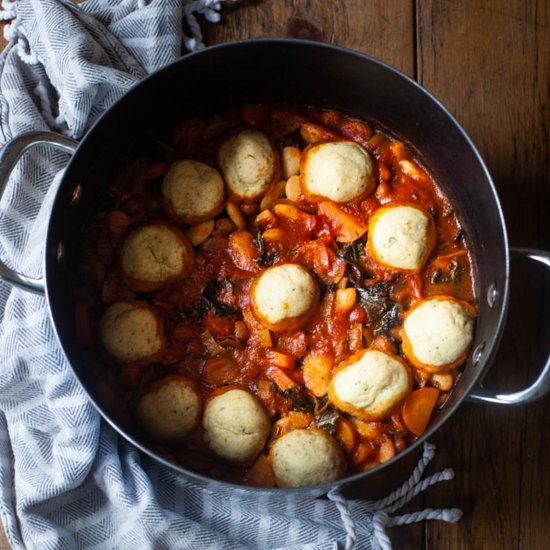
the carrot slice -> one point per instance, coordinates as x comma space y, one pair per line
346, 434
295, 420
316, 372
418, 409
264, 336
280, 378
363, 453
346, 227
281, 360
291, 212
242, 251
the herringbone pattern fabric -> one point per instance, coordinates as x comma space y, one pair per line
67, 481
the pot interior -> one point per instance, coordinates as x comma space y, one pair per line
295, 72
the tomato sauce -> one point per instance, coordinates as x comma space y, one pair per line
212, 336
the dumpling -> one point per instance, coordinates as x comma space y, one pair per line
340, 171
438, 333
132, 332
236, 425
401, 236
248, 163
192, 191
370, 384
154, 255
306, 457
284, 297
170, 409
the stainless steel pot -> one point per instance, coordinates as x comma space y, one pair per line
281, 71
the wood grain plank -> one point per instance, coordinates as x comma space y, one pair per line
534, 528
489, 62
381, 28
4, 544
3, 41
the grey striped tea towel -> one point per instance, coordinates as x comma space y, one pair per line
67, 480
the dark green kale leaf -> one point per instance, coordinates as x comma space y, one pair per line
328, 420
353, 254
209, 301
266, 259
382, 312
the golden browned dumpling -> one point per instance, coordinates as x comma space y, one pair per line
170, 409
132, 331
193, 191
154, 255
248, 163
401, 236
236, 425
438, 333
306, 457
370, 384
284, 297
340, 171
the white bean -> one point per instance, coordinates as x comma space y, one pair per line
290, 158
235, 215
293, 188
444, 382
275, 192
198, 233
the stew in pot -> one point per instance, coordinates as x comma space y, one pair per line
279, 296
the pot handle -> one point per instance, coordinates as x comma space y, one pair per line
541, 386
10, 154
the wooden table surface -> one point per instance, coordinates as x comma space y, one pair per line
488, 61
